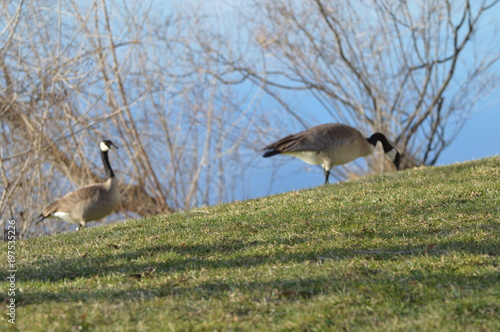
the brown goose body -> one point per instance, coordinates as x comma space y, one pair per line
330, 145
91, 202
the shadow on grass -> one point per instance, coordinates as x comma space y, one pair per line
408, 288
243, 254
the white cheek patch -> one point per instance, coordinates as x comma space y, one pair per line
104, 147
392, 154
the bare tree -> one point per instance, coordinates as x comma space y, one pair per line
75, 73
413, 70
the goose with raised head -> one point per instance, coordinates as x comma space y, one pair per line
330, 145
92, 202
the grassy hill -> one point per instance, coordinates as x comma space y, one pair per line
414, 250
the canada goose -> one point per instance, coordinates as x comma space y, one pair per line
91, 202
329, 145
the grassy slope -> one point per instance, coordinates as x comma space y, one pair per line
321, 258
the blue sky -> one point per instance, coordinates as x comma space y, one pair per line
480, 136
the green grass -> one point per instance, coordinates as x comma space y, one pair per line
409, 251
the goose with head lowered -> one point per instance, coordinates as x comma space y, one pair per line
91, 202
329, 145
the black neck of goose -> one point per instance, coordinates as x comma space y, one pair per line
380, 137
107, 166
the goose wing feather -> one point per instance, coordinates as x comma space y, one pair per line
67, 203
319, 138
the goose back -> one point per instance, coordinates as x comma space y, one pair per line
331, 143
